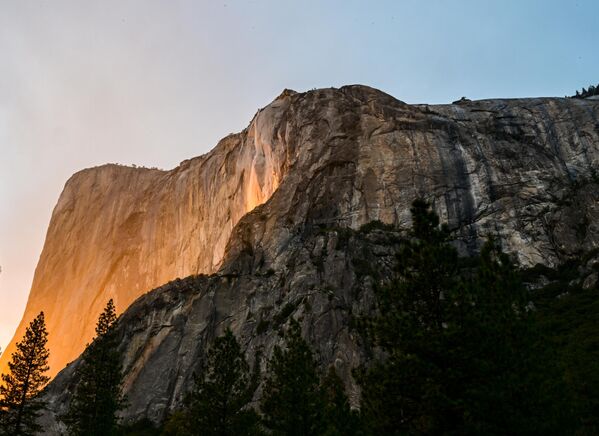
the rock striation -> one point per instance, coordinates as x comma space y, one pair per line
273, 216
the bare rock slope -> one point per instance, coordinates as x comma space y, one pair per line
316, 165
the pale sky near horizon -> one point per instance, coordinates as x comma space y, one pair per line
84, 83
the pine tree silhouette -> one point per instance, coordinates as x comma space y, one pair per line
98, 395
462, 354
218, 404
340, 419
292, 401
20, 402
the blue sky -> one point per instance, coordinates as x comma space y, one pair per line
156, 82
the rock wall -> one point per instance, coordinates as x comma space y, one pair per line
524, 170
118, 231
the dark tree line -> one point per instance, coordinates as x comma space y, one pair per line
97, 399
296, 398
584, 93
462, 351
463, 355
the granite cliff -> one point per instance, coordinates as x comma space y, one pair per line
268, 225
119, 231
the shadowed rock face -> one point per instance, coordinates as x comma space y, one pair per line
521, 169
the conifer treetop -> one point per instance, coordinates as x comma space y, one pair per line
107, 319
19, 400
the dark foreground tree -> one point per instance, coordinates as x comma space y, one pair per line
19, 399
143, 427
98, 396
340, 420
292, 401
401, 394
462, 354
219, 402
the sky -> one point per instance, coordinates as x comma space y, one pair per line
152, 83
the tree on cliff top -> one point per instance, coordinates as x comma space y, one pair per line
19, 401
593, 90
98, 396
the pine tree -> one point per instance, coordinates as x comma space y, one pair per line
401, 394
462, 356
20, 402
218, 405
511, 382
340, 420
98, 396
292, 401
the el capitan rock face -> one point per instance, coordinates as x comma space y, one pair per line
314, 164
118, 232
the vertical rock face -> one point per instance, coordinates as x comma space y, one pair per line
309, 167
118, 232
